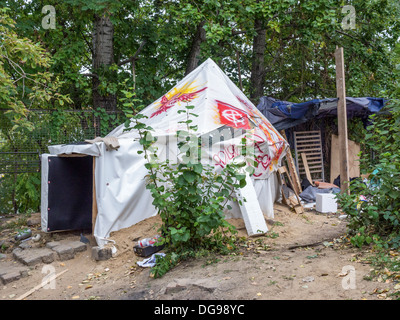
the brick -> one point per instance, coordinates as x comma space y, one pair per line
78, 246
52, 244
34, 256
104, 253
64, 252
12, 273
10, 277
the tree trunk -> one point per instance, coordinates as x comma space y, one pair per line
103, 58
257, 77
193, 58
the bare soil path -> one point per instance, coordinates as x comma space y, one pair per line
302, 257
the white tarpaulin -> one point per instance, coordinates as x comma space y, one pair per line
223, 111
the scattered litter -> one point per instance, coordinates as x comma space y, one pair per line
148, 241
343, 273
327, 244
150, 262
308, 279
23, 234
146, 247
309, 205
84, 239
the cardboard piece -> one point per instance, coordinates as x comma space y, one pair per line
353, 151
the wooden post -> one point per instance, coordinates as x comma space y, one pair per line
342, 121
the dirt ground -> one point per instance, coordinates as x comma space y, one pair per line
302, 257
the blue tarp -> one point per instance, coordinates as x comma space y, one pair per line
284, 114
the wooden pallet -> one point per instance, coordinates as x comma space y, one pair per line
309, 143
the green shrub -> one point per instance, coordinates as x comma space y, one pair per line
377, 220
190, 196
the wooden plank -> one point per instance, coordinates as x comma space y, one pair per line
342, 120
314, 154
354, 164
251, 211
316, 136
306, 132
311, 171
294, 203
52, 278
308, 175
314, 162
314, 171
310, 168
309, 136
308, 142
306, 138
309, 148
313, 157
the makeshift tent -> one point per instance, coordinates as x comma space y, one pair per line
284, 114
121, 199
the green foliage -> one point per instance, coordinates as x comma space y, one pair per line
301, 37
377, 220
24, 79
28, 192
20, 193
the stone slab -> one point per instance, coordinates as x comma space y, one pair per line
52, 244
99, 254
77, 246
33, 256
64, 252
12, 273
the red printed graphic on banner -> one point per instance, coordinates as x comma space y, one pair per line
185, 93
232, 116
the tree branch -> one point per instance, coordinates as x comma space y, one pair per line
135, 56
365, 43
93, 75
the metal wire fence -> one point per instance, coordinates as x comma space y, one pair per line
20, 149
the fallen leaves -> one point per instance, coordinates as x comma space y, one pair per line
92, 277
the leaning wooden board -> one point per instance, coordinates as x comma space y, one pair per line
354, 164
251, 211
